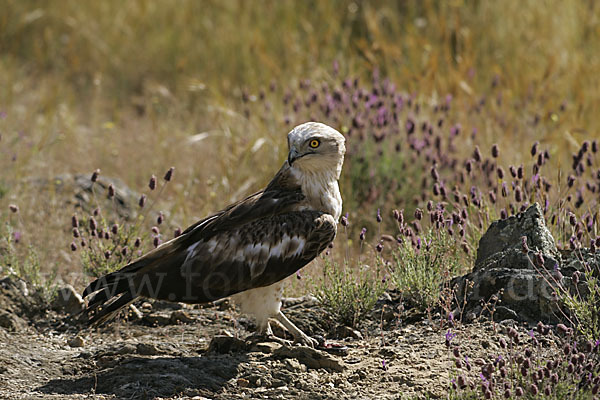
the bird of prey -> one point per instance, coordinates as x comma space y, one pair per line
248, 248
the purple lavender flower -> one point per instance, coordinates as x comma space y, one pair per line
152, 183
169, 174
454, 130
495, 151
362, 234
418, 214
344, 220
449, 337
95, 175
383, 365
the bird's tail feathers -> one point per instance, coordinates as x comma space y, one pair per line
108, 310
110, 293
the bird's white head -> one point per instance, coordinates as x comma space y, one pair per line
316, 148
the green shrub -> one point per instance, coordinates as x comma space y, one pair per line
418, 273
349, 294
582, 305
22, 262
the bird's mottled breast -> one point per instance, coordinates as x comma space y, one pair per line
321, 192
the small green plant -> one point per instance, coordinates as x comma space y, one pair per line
583, 305
585, 308
22, 262
418, 271
349, 294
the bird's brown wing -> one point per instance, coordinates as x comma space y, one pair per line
258, 253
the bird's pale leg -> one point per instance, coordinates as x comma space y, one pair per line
266, 329
299, 336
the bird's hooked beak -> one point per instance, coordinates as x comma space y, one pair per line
293, 155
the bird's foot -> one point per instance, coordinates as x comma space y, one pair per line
299, 336
306, 340
258, 337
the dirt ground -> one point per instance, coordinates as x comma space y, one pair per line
175, 351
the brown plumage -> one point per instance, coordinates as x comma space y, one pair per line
249, 247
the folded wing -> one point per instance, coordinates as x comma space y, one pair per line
256, 242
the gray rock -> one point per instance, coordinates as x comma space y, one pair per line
503, 235
181, 317
134, 314
68, 300
11, 322
76, 341
294, 365
158, 319
121, 349
343, 332
266, 347
580, 260
523, 284
147, 349
310, 357
226, 344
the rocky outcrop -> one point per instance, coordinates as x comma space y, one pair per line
68, 300
522, 278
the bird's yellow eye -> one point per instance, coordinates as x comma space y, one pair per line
314, 143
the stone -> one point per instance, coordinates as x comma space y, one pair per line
22, 286
11, 322
226, 344
343, 332
502, 269
579, 260
294, 365
181, 317
304, 301
241, 382
76, 341
68, 300
158, 319
134, 314
266, 347
310, 357
506, 234
147, 349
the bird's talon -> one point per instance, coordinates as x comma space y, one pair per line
307, 341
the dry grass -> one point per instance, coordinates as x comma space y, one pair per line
135, 87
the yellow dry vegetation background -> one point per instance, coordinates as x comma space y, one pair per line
135, 87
